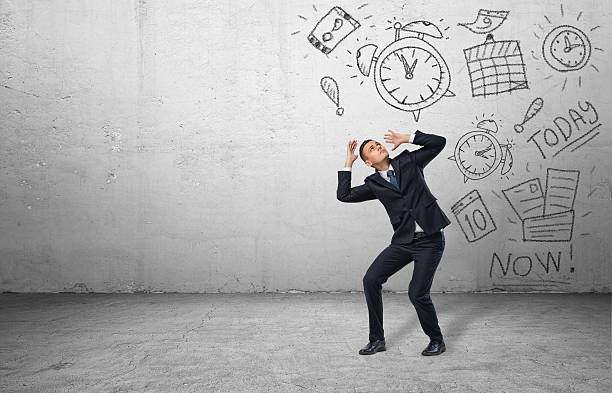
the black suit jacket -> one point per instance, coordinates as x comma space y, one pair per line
413, 201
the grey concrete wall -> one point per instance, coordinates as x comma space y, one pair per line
189, 146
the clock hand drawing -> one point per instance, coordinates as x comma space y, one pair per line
410, 74
409, 69
404, 63
482, 152
569, 46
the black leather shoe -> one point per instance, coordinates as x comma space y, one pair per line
373, 347
434, 348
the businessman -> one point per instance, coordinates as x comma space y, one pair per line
417, 220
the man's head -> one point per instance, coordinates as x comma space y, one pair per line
372, 152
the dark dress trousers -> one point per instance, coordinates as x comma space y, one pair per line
413, 201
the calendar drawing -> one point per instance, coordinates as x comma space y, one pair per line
495, 67
473, 216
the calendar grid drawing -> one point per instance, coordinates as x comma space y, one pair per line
495, 67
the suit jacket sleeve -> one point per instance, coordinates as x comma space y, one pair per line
356, 194
432, 146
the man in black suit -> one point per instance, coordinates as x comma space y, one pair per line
417, 220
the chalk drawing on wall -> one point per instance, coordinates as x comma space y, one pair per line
331, 29
600, 188
568, 133
364, 69
478, 153
548, 269
546, 215
534, 108
567, 48
473, 216
486, 21
409, 73
331, 90
364, 56
495, 67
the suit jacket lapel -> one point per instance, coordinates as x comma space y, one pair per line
396, 169
378, 179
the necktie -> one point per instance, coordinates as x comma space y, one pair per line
392, 178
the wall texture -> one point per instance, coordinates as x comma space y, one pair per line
193, 145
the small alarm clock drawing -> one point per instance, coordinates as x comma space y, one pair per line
478, 153
566, 48
409, 73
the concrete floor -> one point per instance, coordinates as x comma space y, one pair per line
300, 342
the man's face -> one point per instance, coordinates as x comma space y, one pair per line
374, 153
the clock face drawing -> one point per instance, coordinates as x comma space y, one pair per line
478, 154
409, 73
566, 48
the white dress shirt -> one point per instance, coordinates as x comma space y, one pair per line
385, 176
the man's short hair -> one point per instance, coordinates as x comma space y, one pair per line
361, 148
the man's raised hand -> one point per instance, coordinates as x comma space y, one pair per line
396, 139
350, 153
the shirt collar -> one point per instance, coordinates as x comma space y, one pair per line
384, 173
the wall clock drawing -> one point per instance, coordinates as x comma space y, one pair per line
409, 73
478, 153
566, 48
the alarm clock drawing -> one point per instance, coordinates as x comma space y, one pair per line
566, 48
409, 73
478, 153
